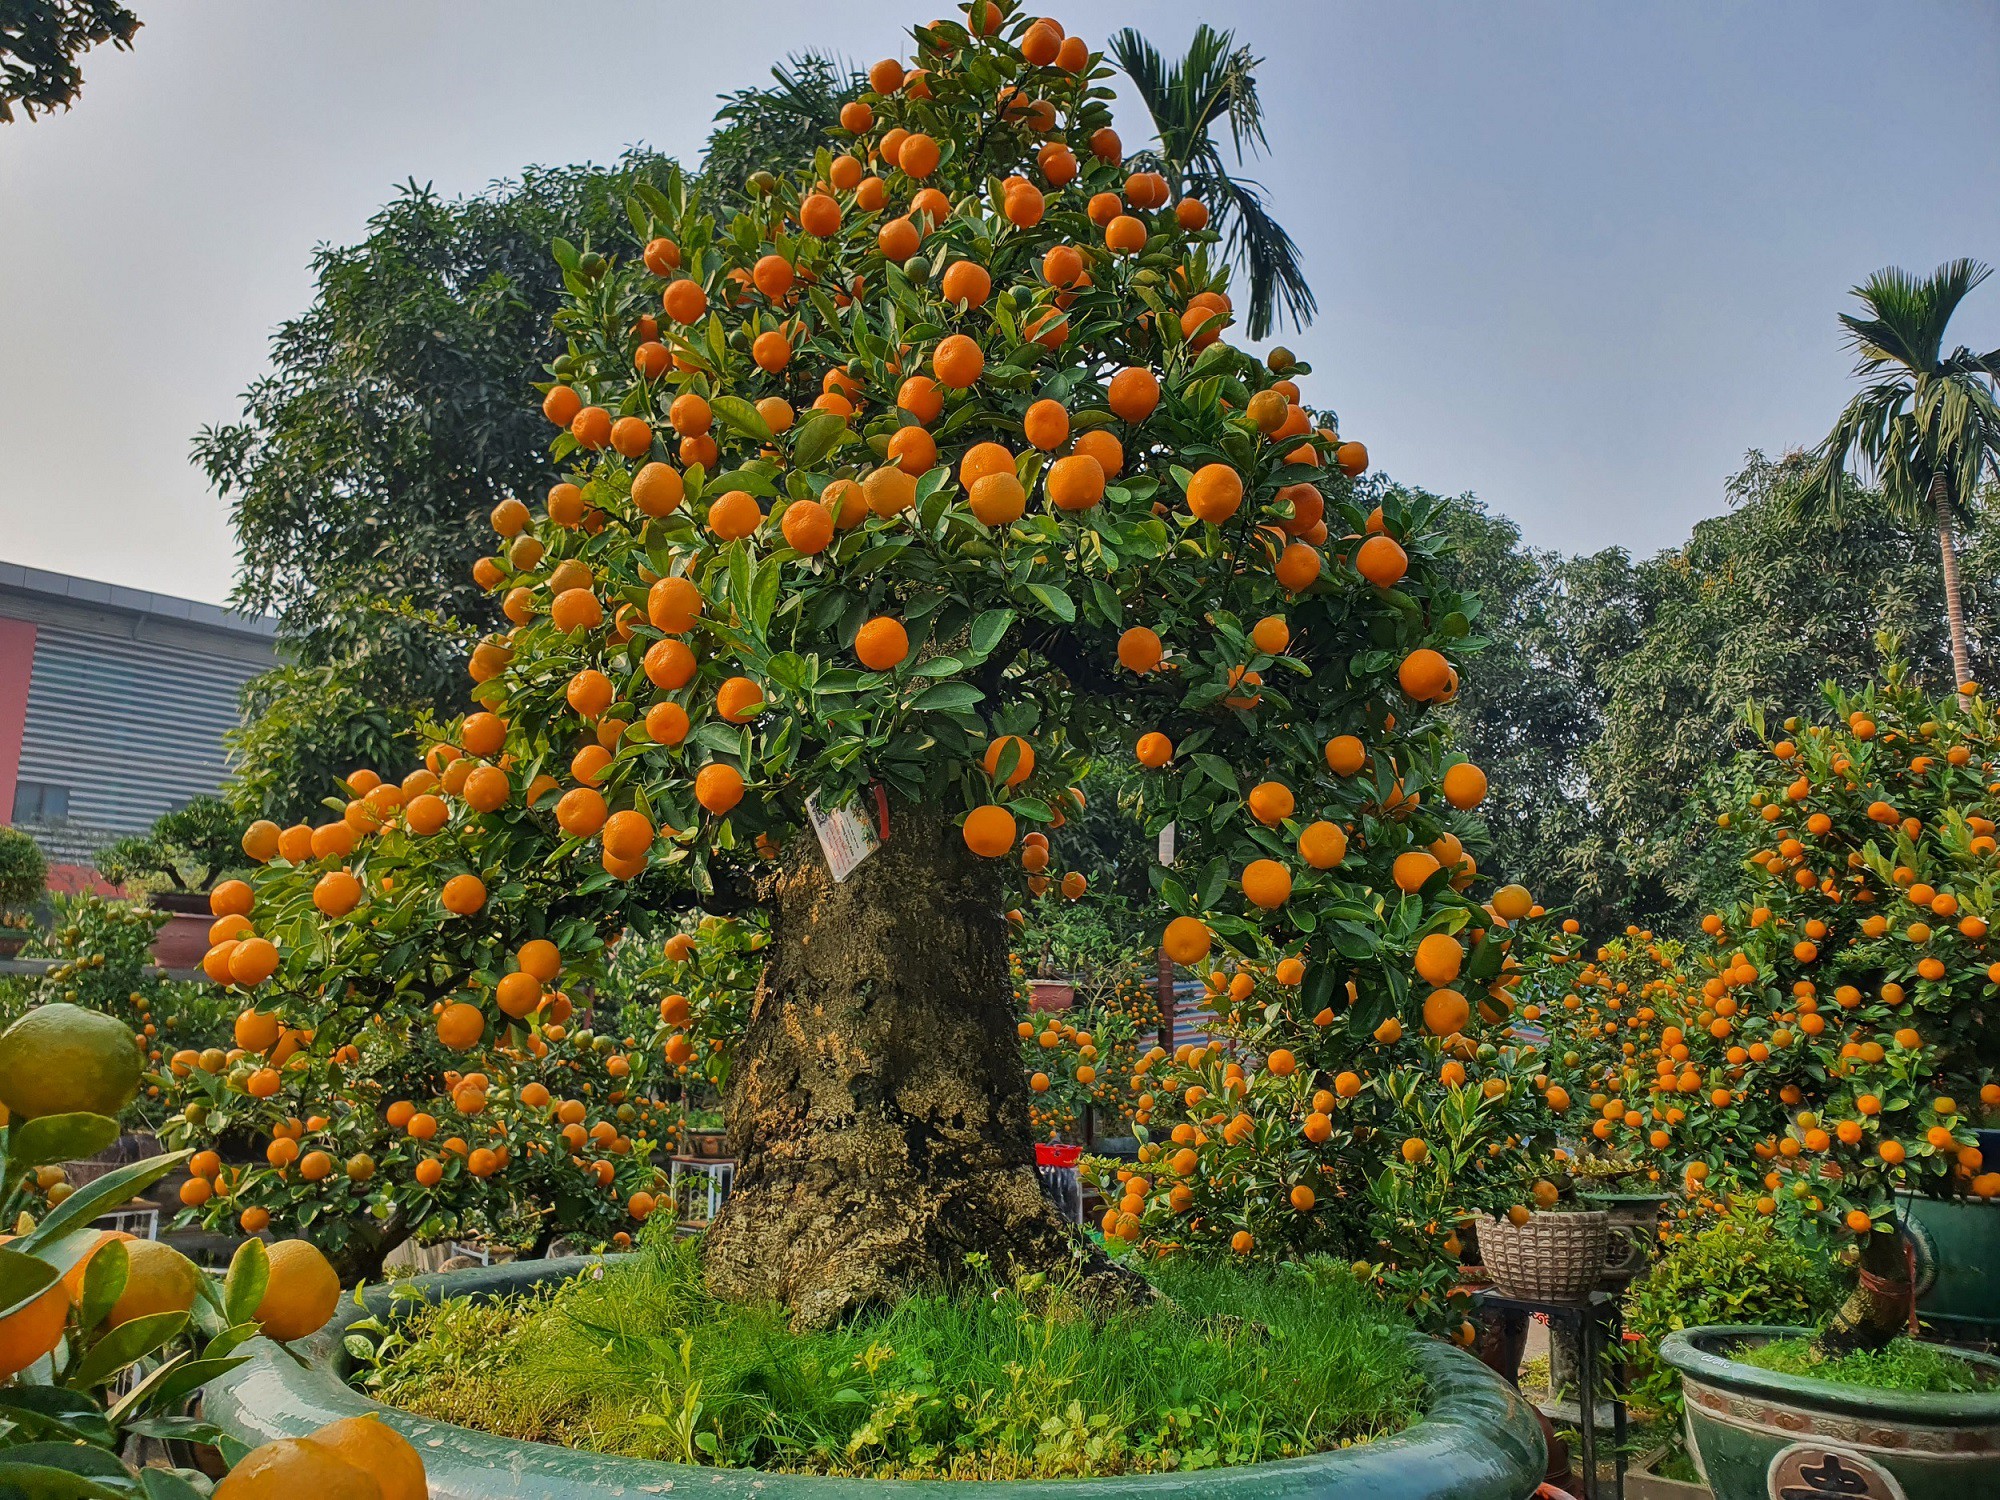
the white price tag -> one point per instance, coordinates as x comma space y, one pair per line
846, 837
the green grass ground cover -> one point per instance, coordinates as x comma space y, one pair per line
1901, 1365
998, 1381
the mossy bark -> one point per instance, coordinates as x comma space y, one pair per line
1879, 1307
876, 1107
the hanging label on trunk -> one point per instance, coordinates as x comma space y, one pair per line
845, 836
1167, 845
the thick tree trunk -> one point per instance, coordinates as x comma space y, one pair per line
1879, 1307
1954, 604
876, 1107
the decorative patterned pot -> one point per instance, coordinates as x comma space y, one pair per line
1958, 1260
1554, 1257
1633, 1234
1478, 1439
1759, 1435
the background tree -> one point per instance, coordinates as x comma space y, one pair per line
1534, 706
40, 41
1927, 428
389, 422
1214, 82
759, 128
1761, 605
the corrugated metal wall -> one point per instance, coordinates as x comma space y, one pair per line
132, 728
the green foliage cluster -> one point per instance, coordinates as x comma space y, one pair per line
187, 850
1903, 1365
1740, 1269
1004, 1381
1608, 708
758, 128
391, 420
23, 871
40, 41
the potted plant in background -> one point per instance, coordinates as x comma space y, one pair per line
1631, 1193
1854, 980
23, 876
173, 864
1739, 1268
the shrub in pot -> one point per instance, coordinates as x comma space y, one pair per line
1841, 1034
787, 636
1742, 1267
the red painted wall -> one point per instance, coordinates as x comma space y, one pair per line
17, 665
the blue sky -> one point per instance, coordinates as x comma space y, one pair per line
1575, 258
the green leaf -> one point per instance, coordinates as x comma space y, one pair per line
750, 481
23, 1278
30, 1481
817, 436
53, 1138
946, 697
1214, 881
178, 1378
95, 1463
54, 1411
126, 1343
243, 1288
161, 1484
989, 630
1219, 771
1055, 601
740, 416
103, 1282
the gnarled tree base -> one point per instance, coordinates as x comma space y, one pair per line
1879, 1306
876, 1108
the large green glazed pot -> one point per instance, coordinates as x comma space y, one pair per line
1958, 1260
1478, 1439
1759, 1435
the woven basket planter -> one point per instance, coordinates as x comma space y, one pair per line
1551, 1258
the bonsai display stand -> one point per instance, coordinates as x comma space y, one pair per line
1598, 1322
698, 1186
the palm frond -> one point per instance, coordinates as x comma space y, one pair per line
1258, 243
1215, 82
1908, 315
1143, 64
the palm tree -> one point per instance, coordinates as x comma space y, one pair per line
1925, 427
1217, 81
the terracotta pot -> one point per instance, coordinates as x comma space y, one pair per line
1050, 994
182, 943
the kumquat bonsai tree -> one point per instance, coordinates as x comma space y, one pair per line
896, 501
1841, 1025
